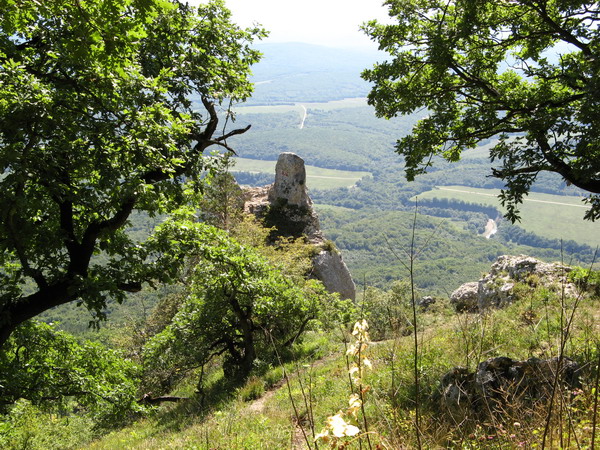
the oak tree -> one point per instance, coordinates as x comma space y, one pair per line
524, 72
237, 304
106, 108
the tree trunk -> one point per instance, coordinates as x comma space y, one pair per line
245, 319
14, 314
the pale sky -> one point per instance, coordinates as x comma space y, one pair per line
333, 23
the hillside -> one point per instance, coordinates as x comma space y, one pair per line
308, 73
246, 350
359, 181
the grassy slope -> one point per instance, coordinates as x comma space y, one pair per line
551, 216
525, 329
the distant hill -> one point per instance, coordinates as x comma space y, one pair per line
294, 72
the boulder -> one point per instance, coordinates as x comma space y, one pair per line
329, 267
465, 298
456, 394
290, 182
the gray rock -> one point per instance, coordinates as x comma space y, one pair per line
521, 266
465, 298
503, 382
330, 268
495, 288
425, 302
456, 394
494, 292
290, 182
287, 206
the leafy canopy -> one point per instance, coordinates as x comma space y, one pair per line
522, 71
43, 365
97, 121
237, 305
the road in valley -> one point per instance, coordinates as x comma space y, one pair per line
491, 228
303, 117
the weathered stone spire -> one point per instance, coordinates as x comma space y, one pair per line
290, 181
287, 206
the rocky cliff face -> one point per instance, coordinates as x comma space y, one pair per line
287, 206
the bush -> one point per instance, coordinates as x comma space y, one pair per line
52, 369
586, 279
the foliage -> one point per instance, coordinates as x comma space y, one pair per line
47, 367
388, 311
237, 304
445, 341
29, 427
95, 123
586, 279
222, 201
486, 69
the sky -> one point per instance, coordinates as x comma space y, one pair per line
333, 23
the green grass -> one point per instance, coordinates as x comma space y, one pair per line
530, 327
550, 216
317, 177
447, 340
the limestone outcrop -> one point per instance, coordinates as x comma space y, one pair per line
290, 182
495, 289
465, 298
287, 206
330, 268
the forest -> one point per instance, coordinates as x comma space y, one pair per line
141, 307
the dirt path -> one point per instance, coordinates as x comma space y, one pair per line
258, 406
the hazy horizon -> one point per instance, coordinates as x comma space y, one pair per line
331, 23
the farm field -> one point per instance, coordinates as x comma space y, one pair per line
317, 177
550, 216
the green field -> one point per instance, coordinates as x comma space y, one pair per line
317, 177
551, 216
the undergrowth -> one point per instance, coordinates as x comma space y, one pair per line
227, 416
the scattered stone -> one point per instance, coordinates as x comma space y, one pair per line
425, 302
501, 383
